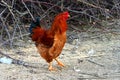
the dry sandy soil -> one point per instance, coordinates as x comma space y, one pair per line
90, 56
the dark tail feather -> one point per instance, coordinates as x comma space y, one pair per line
34, 24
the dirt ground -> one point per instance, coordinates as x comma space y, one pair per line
90, 56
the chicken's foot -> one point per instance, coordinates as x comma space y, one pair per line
60, 63
50, 67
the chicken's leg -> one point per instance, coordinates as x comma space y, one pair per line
59, 63
50, 67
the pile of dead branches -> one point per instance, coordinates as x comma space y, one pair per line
16, 15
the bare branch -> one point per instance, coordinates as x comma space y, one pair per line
28, 10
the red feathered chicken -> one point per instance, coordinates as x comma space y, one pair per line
50, 42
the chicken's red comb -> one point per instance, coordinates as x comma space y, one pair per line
66, 12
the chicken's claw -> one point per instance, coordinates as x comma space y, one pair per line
52, 69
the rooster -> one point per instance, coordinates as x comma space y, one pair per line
50, 42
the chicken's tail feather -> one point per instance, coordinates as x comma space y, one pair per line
34, 24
